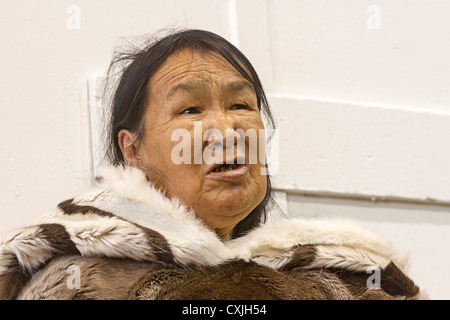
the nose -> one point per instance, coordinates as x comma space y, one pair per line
220, 129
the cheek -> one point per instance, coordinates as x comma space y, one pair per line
162, 161
259, 181
254, 135
181, 181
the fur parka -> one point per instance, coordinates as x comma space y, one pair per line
125, 240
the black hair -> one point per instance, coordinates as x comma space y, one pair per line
129, 100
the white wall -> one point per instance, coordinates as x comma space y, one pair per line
360, 89
43, 87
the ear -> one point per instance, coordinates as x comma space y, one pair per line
127, 143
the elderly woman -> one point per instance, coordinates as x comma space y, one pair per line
181, 212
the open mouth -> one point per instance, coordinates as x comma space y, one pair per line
229, 171
226, 167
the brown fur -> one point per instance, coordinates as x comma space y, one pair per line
115, 258
103, 278
12, 283
238, 280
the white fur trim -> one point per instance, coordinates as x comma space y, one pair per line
30, 249
138, 201
132, 197
283, 234
126, 193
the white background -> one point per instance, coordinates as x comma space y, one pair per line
361, 90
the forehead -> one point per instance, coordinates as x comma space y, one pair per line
190, 66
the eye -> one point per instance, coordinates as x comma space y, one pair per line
191, 110
239, 107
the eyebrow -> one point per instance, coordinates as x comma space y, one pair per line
189, 86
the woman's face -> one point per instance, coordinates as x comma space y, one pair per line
195, 97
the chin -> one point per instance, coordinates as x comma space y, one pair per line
234, 202
224, 220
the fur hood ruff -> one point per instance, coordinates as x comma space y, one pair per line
125, 217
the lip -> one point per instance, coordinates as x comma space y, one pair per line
237, 160
235, 174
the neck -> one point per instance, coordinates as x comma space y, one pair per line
224, 233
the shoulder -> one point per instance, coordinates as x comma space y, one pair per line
319, 235
357, 257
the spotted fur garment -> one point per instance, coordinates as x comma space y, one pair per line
125, 240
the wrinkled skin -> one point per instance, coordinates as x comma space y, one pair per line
192, 87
